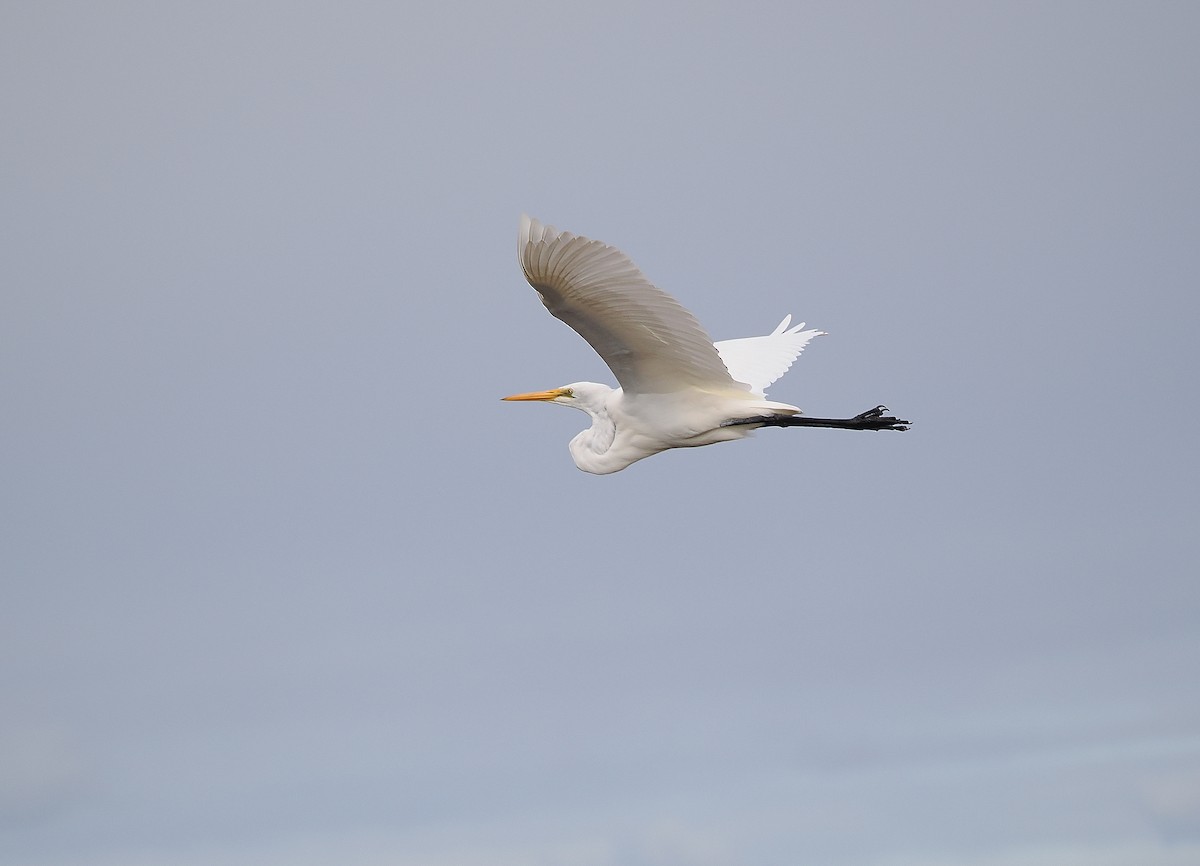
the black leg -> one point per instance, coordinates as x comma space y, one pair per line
872, 419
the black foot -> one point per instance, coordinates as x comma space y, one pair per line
874, 419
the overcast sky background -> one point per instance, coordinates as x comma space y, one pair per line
284, 582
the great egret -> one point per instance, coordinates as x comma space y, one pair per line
678, 388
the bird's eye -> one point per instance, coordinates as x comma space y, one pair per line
569, 392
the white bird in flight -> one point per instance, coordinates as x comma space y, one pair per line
678, 388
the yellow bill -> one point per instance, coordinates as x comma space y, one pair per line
541, 395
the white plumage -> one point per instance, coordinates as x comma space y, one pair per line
678, 388
760, 361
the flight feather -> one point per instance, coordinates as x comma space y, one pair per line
760, 361
649, 341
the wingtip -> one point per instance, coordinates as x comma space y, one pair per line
786, 327
531, 231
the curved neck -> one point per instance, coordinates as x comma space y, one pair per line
598, 438
590, 447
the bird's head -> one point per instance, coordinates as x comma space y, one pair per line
585, 396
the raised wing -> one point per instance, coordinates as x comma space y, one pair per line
649, 341
759, 361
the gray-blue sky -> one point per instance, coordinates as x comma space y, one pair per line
284, 582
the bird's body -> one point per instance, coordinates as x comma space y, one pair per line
628, 427
678, 388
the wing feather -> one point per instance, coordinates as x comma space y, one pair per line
650, 342
760, 361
